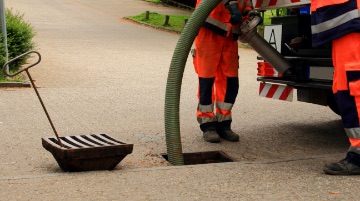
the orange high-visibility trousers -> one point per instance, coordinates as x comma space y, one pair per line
216, 62
346, 86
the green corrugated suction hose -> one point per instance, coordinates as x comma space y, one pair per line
173, 86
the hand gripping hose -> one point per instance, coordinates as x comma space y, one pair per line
175, 75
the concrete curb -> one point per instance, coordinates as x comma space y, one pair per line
24, 83
14, 84
172, 167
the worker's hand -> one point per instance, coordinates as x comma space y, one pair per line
236, 16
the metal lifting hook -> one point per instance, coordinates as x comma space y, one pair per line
26, 69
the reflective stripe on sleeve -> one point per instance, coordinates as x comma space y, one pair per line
217, 23
225, 1
329, 24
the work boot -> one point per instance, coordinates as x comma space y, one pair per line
343, 167
211, 136
228, 135
224, 130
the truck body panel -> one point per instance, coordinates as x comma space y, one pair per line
312, 67
275, 4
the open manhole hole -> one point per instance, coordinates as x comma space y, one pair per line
204, 157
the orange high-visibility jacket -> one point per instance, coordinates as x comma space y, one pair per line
218, 20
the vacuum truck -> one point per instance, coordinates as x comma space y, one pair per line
303, 69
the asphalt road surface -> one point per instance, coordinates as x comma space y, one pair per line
100, 73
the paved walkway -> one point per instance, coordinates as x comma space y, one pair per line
102, 74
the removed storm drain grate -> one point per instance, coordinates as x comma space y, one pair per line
197, 158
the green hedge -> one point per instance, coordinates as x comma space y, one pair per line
19, 39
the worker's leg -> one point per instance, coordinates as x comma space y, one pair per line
226, 88
206, 60
346, 87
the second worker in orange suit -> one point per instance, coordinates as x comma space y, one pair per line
338, 22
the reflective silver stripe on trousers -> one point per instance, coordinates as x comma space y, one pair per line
335, 22
205, 108
217, 23
224, 106
354, 149
203, 120
355, 134
221, 117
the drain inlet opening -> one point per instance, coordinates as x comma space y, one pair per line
207, 157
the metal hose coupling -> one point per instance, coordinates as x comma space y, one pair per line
260, 45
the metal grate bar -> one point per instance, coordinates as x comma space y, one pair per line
79, 137
94, 139
75, 141
66, 144
103, 140
106, 139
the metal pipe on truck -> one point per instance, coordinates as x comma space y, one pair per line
260, 45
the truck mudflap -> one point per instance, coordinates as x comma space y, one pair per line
276, 91
274, 4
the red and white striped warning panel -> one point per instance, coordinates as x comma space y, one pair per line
275, 91
266, 70
271, 4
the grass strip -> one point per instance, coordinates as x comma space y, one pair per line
176, 22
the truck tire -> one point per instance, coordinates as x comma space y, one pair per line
331, 102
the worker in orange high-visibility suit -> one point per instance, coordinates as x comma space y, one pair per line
338, 21
216, 62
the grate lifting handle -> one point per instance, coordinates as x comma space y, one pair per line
6, 65
26, 69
